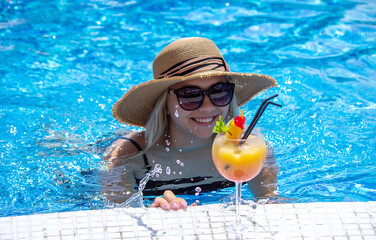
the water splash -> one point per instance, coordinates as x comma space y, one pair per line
138, 196
198, 190
180, 163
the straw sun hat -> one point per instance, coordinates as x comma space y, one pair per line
182, 60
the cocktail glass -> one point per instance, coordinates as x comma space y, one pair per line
239, 160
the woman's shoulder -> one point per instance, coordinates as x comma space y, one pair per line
125, 147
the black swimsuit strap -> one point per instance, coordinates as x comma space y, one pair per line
146, 162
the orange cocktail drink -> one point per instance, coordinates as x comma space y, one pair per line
239, 155
239, 160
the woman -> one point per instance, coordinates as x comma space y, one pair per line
192, 87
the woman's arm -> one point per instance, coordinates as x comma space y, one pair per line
122, 149
118, 181
265, 183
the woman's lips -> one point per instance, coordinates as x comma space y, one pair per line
204, 121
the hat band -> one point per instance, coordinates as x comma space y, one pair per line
197, 64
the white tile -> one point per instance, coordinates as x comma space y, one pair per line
341, 238
354, 232
114, 235
326, 238
54, 238
189, 237
219, 236
276, 221
65, 232
356, 237
373, 237
6, 236
188, 231
82, 232
5, 227
368, 232
323, 233
67, 237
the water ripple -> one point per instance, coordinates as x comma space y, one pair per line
63, 64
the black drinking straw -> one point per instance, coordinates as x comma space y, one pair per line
259, 110
258, 114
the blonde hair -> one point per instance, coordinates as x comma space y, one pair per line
157, 123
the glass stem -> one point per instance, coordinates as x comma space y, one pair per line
238, 186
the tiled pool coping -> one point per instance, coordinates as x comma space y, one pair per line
333, 220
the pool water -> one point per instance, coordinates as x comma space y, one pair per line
63, 64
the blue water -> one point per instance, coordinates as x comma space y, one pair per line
63, 64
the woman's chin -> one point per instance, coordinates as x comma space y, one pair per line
204, 135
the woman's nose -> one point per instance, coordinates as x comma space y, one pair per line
207, 104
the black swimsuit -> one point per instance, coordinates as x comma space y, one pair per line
153, 188
146, 162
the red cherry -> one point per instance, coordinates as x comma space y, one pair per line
239, 121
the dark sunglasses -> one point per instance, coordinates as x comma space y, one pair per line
191, 98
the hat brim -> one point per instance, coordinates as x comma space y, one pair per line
136, 105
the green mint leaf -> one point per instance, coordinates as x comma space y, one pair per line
220, 126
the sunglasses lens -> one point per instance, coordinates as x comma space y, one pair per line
221, 94
190, 98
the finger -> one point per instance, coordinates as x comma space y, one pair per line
164, 204
194, 204
169, 196
178, 203
182, 203
156, 202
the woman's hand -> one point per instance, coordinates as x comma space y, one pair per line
169, 201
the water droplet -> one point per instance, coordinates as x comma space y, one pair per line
180, 150
198, 190
276, 192
167, 143
174, 172
167, 149
178, 161
197, 201
158, 168
176, 106
176, 113
168, 170
182, 164
137, 197
180, 173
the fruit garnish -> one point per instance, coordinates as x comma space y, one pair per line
236, 127
240, 120
233, 129
220, 126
